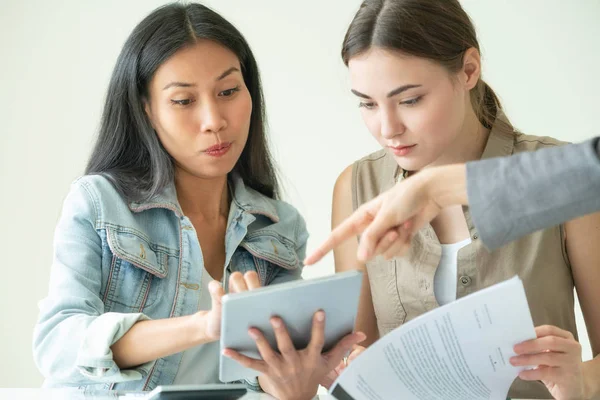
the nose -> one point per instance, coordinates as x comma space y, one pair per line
391, 125
211, 118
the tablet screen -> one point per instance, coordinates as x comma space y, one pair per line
295, 303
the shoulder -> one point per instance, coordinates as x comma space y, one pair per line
374, 159
286, 211
365, 166
377, 168
344, 197
361, 181
367, 177
100, 193
87, 201
97, 186
525, 142
343, 183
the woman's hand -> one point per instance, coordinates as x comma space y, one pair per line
557, 356
290, 373
387, 222
210, 321
337, 371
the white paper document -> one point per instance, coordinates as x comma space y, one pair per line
460, 351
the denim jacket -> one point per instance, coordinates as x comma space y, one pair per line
116, 263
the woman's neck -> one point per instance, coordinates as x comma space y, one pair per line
207, 199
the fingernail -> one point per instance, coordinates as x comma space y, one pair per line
320, 316
276, 322
226, 353
513, 360
361, 336
253, 334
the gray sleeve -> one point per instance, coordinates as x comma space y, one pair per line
513, 196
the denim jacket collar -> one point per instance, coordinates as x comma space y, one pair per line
244, 198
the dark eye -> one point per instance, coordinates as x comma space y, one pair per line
229, 92
412, 102
182, 102
368, 106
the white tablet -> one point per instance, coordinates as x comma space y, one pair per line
295, 302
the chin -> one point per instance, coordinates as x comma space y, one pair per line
410, 163
210, 171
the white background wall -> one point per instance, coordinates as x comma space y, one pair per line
541, 56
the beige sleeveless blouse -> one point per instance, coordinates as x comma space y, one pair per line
402, 288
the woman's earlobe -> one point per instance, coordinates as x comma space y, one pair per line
472, 73
472, 67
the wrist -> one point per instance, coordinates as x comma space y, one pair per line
447, 185
271, 389
265, 385
591, 383
198, 328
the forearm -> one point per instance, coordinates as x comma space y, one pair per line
514, 196
591, 374
150, 340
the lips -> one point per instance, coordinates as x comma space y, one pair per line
218, 147
401, 147
401, 151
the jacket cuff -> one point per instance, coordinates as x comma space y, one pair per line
95, 358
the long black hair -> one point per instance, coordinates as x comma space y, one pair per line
128, 150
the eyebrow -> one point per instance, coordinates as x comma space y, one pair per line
187, 84
393, 93
227, 73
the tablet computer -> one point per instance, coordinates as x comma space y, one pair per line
190, 392
295, 303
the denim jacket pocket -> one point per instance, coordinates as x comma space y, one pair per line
137, 268
272, 247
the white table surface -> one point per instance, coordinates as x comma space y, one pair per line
74, 394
